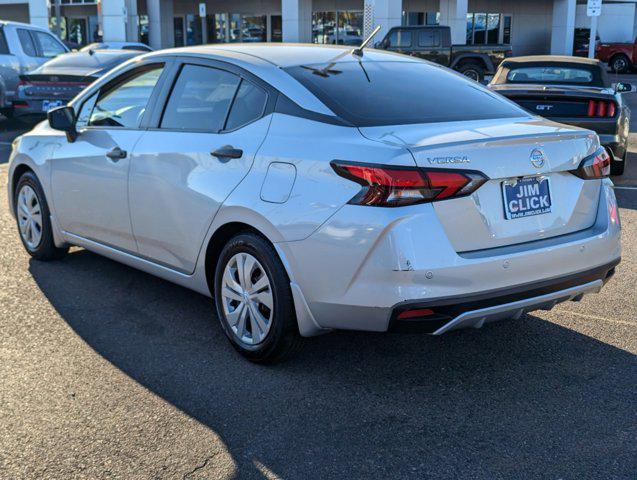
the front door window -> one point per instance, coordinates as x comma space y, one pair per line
125, 104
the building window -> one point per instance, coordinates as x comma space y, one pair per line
178, 27
506, 30
276, 28
488, 28
254, 28
338, 28
143, 29
217, 28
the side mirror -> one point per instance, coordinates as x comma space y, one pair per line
63, 119
623, 87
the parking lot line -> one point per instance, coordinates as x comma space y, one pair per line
595, 317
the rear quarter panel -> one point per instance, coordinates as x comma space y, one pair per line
317, 192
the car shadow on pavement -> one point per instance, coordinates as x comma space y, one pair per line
515, 400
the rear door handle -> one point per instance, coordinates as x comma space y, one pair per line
227, 152
116, 154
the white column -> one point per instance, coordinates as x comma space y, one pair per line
160, 24
297, 20
454, 14
386, 13
114, 20
563, 28
132, 20
39, 13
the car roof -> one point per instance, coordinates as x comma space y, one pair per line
21, 24
286, 54
554, 59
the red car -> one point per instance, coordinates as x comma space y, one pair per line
621, 57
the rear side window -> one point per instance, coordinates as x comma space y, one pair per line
4, 47
400, 38
49, 46
125, 104
28, 47
248, 105
396, 93
200, 99
429, 38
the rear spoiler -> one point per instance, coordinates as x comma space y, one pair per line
52, 78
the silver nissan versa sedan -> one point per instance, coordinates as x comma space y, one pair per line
311, 188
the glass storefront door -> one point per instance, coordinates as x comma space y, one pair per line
224, 27
340, 28
193, 30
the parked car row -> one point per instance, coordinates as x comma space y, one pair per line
308, 188
38, 72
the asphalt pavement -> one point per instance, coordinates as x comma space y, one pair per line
107, 372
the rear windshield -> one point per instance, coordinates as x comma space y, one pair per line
398, 93
565, 75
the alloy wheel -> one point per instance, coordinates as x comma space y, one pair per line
247, 299
619, 65
29, 217
472, 74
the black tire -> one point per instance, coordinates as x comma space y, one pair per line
45, 250
620, 64
474, 71
617, 168
283, 339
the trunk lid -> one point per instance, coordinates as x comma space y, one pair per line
558, 102
62, 85
503, 150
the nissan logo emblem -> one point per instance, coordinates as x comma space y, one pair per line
537, 158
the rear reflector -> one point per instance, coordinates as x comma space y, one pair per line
419, 312
594, 166
391, 186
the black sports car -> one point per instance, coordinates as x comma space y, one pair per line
570, 90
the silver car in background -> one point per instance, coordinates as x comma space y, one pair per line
310, 188
23, 48
60, 79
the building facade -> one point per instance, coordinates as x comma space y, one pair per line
530, 26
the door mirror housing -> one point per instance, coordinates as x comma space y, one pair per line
623, 87
63, 119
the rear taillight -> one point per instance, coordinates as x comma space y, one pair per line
390, 186
601, 108
594, 166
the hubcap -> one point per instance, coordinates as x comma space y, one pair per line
29, 217
619, 65
246, 297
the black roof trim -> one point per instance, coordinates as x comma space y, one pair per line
288, 107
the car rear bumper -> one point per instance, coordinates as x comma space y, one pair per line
34, 107
474, 311
357, 274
